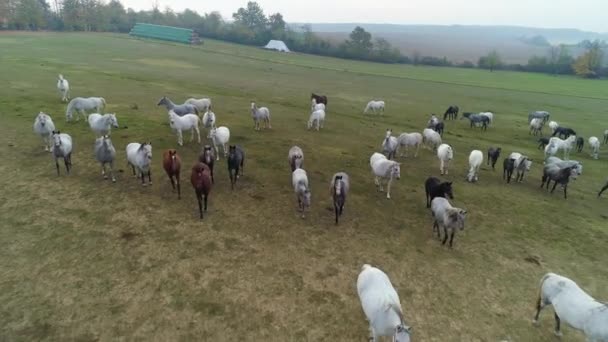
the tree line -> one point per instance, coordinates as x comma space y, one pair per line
251, 26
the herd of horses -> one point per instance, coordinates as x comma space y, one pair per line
378, 298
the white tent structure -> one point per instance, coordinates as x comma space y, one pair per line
278, 45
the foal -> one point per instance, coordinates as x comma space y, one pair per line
201, 182
172, 164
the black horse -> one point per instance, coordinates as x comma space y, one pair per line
508, 166
563, 132
561, 176
319, 98
580, 143
435, 188
493, 154
451, 113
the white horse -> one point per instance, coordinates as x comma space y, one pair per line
260, 114
105, 153
203, 105
536, 126
384, 168
553, 125
475, 161
316, 106
184, 123
317, 118
573, 305
102, 124
407, 140
390, 144
445, 155
594, 145
62, 148
220, 136
431, 138
209, 121
82, 105
44, 127
139, 156
381, 305
299, 181
64, 88
375, 106
555, 144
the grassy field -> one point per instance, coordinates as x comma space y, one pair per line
84, 259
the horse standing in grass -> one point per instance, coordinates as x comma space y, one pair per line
339, 187
44, 127
180, 110
82, 105
451, 113
64, 88
317, 119
202, 105
407, 140
207, 157
62, 148
580, 144
493, 154
445, 154
105, 153
536, 127
594, 145
236, 163
435, 188
477, 120
383, 168
431, 139
260, 114
209, 121
139, 157
102, 124
556, 144
542, 143
172, 164
390, 144
184, 123
552, 172
200, 178
539, 114
220, 136
299, 180
375, 107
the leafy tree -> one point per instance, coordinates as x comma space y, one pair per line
189, 19
252, 17
360, 40
30, 14
73, 18
491, 61
115, 17
276, 22
589, 64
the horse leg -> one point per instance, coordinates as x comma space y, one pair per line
66, 161
417, 148
445, 232
232, 179
143, 181
150, 177
179, 192
565, 191
554, 185
112, 172
336, 209
452, 237
200, 203
388, 188
557, 325
206, 196
441, 166
133, 168
180, 138
103, 171
172, 182
57, 165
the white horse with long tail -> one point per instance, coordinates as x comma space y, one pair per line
445, 155
102, 124
375, 106
220, 136
475, 161
381, 305
139, 157
555, 144
203, 105
574, 306
82, 105
383, 168
390, 144
44, 127
407, 140
64, 88
184, 123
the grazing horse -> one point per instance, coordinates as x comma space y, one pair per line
105, 153
260, 114
295, 158
406, 140
139, 157
44, 127
180, 110
384, 168
82, 105
435, 188
207, 157
200, 178
62, 148
556, 144
478, 120
202, 105
339, 187
236, 163
580, 144
451, 113
574, 306
64, 88
447, 217
493, 154
431, 139
375, 106
542, 142
172, 164
390, 144
319, 98
564, 132
536, 126
102, 124
553, 172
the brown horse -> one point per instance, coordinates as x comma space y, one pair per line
172, 165
207, 157
201, 181
319, 98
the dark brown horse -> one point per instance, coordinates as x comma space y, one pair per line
172, 164
319, 98
201, 181
207, 157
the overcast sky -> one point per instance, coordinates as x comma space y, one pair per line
588, 15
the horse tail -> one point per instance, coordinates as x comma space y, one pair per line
539, 298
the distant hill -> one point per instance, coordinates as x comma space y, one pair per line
464, 42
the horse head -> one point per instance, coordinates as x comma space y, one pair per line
446, 189
57, 138
41, 119
146, 148
113, 120
396, 170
